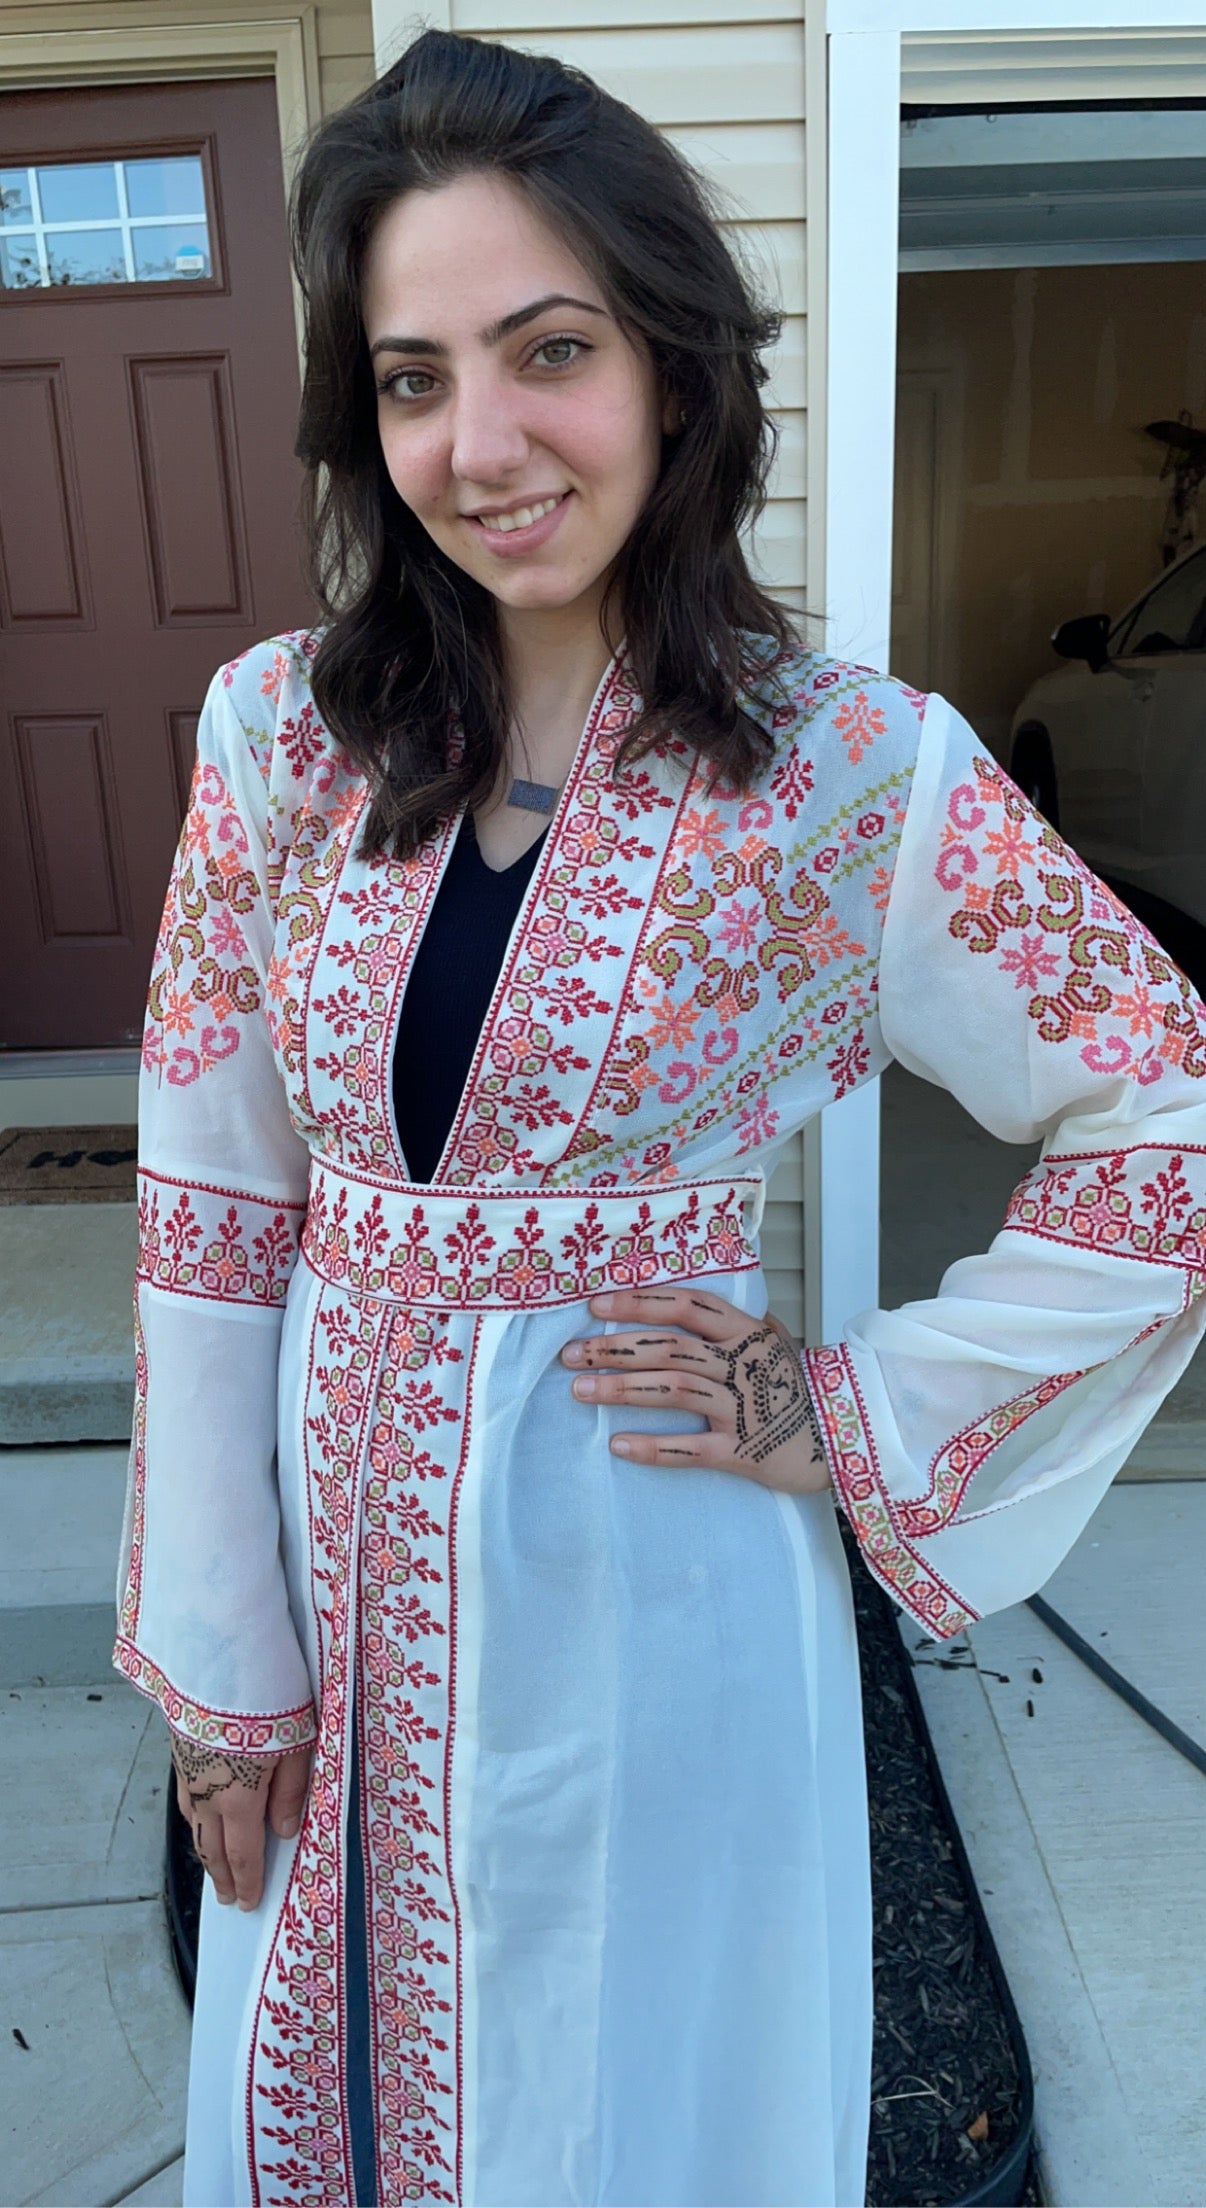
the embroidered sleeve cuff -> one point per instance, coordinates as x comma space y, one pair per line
896, 1563
225, 1732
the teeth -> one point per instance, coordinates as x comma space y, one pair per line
522, 518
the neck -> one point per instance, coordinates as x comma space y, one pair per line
555, 658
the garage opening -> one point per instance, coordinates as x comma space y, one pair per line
1049, 557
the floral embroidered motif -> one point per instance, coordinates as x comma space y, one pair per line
1095, 976
203, 984
853, 1462
1101, 1200
408, 1685
502, 1253
219, 1243
605, 838
295, 2091
226, 1732
858, 724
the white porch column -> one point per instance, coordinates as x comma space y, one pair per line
842, 1146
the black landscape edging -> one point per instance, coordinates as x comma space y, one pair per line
1001, 2186
925, 1902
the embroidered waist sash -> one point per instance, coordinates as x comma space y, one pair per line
501, 1250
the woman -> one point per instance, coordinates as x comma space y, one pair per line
482, 1539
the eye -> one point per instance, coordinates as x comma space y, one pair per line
407, 384
559, 352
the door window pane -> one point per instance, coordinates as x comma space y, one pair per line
170, 249
20, 268
104, 222
86, 257
163, 187
1168, 615
79, 191
14, 196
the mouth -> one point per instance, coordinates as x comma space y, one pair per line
520, 528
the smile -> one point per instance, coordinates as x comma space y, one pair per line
522, 517
521, 529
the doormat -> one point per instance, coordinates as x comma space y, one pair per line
68, 1165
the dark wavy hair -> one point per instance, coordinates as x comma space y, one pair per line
410, 640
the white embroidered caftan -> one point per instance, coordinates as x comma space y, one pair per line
613, 1816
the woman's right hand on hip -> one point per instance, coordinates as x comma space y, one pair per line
225, 1800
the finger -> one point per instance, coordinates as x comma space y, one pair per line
651, 1349
287, 1792
712, 1317
711, 1451
211, 1851
662, 1391
243, 1837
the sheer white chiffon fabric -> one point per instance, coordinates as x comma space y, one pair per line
613, 1817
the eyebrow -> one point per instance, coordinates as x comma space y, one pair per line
493, 334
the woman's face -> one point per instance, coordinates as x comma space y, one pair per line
517, 420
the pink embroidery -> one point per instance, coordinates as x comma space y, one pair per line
1099, 1200
858, 724
1095, 975
226, 1732
218, 1243
850, 1448
296, 2114
203, 986
131, 1601
408, 1673
498, 1251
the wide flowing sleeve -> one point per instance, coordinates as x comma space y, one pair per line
972, 1435
204, 1625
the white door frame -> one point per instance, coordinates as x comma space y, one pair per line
880, 52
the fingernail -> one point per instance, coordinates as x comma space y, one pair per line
585, 1386
621, 1447
602, 1303
574, 1353
290, 1826
225, 1899
248, 1906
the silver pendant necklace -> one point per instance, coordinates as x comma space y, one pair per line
534, 797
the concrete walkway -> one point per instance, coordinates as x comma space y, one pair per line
1085, 1832
94, 2051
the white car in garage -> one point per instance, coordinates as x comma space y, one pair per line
1112, 748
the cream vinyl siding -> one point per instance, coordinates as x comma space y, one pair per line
726, 84
345, 51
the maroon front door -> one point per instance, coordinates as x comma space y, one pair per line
148, 494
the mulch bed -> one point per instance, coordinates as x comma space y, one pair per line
68, 1165
950, 2080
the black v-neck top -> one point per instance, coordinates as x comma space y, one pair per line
448, 992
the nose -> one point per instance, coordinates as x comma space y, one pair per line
488, 440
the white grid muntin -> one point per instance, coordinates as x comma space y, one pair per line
41, 230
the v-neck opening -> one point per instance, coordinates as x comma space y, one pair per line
469, 827
545, 844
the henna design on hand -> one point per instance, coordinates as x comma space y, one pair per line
773, 1403
194, 1763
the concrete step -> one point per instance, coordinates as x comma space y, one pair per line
60, 1529
66, 1330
